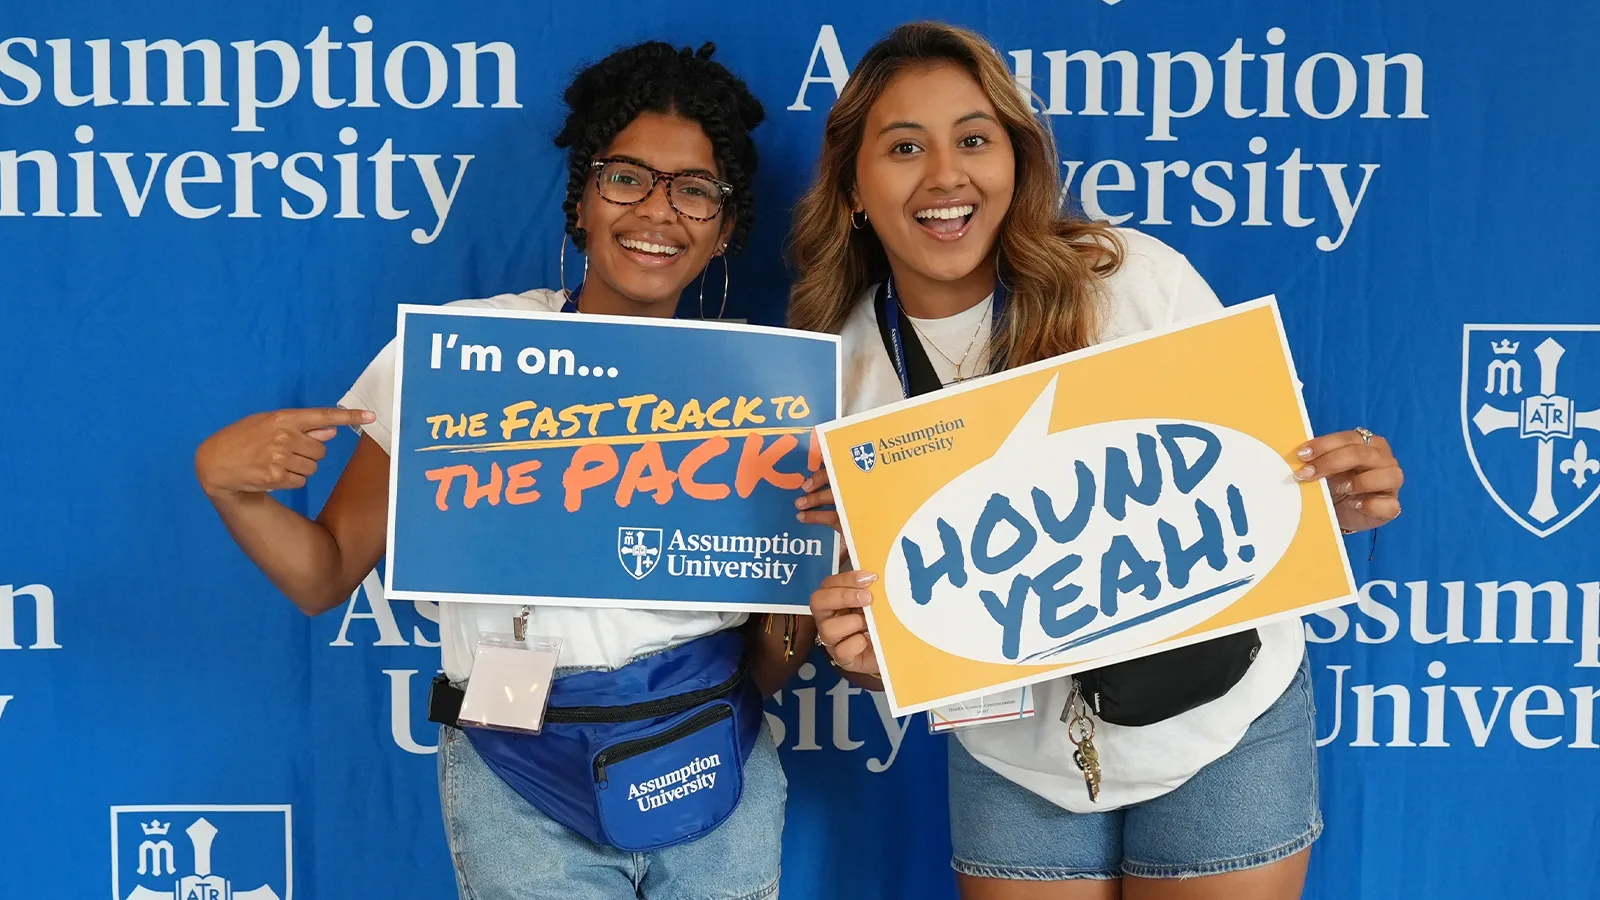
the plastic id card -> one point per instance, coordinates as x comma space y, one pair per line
1006, 706
510, 684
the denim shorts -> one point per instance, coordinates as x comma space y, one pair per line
1254, 806
504, 848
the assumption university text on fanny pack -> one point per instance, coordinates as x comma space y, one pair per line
1129, 498
606, 461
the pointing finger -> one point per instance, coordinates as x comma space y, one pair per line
328, 417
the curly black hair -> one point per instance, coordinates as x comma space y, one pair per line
657, 77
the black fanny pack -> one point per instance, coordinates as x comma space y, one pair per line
1152, 688
1140, 691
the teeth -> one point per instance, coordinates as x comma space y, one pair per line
948, 212
647, 247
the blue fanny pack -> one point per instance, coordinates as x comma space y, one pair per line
642, 757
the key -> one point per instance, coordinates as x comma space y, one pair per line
1088, 759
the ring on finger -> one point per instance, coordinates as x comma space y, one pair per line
1366, 434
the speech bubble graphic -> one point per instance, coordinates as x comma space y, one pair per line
1093, 541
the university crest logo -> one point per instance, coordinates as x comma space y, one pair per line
1530, 411
202, 853
638, 549
865, 456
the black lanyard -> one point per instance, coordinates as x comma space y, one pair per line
910, 360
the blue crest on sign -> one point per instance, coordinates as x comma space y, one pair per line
207, 852
1530, 411
639, 550
865, 456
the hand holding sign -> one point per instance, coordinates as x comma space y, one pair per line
838, 605
1361, 471
270, 451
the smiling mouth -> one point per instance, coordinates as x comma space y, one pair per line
649, 249
946, 223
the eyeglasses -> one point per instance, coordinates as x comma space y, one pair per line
626, 183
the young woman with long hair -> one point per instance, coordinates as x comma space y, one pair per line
660, 164
938, 203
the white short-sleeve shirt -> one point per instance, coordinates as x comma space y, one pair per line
589, 636
1156, 287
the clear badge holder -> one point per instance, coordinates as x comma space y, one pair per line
1006, 706
511, 677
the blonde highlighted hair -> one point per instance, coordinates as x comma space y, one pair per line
1051, 261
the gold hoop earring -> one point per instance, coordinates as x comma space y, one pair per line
861, 223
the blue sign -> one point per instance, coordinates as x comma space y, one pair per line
606, 461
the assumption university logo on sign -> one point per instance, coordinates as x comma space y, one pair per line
638, 549
201, 853
1530, 407
865, 456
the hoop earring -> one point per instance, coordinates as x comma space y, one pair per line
861, 223
724, 309
561, 263
706, 271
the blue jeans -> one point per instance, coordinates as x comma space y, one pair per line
503, 848
1254, 806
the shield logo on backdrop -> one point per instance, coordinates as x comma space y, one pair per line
214, 852
1530, 411
865, 456
638, 549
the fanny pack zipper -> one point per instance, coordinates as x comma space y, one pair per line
620, 752
649, 709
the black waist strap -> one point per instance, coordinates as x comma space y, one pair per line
444, 702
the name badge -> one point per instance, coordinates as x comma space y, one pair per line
510, 685
1006, 706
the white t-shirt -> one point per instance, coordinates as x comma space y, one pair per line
1156, 287
589, 636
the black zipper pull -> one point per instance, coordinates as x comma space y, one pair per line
600, 772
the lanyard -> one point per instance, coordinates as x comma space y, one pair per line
897, 349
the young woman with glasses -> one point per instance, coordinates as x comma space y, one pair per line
660, 165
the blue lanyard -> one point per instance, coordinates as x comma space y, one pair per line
891, 309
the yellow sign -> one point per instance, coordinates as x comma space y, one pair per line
1129, 498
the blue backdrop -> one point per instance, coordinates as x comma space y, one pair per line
1414, 181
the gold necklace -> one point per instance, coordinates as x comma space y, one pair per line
970, 344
